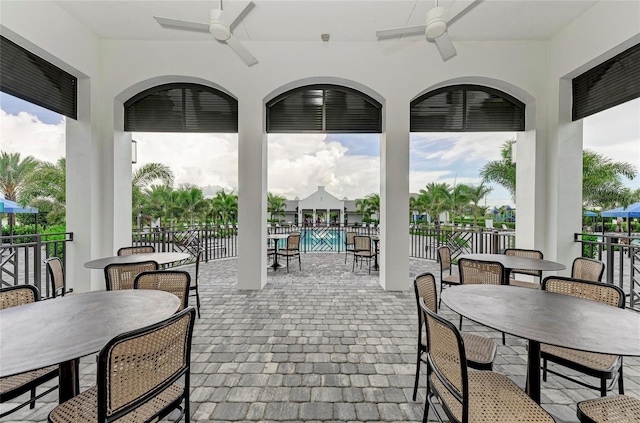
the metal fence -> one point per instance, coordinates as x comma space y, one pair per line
425, 241
22, 259
621, 255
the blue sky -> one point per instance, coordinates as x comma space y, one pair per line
348, 165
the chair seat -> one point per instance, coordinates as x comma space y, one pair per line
617, 409
84, 408
11, 383
451, 279
494, 398
365, 254
595, 361
524, 284
288, 252
480, 350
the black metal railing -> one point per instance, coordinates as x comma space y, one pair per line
22, 259
621, 256
425, 241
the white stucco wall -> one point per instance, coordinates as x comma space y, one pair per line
99, 153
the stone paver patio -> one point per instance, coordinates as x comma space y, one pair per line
321, 344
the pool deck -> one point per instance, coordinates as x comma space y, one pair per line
321, 344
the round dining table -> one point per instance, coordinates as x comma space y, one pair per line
62, 330
160, 258
276, 240
549, 318
515, 262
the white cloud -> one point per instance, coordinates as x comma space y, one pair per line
458, 146
26, 134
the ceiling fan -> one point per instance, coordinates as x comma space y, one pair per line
435, 27
220, 25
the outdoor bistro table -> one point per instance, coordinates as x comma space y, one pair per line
276, 238
546, 317
61, 330
160, 258
514, 262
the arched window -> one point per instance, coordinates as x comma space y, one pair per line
181, 108
466, 108
324, 109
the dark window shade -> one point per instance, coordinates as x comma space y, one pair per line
466, 108
181, 108
324, 109
33, 79
609, 84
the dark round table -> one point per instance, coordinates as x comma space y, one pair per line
61, 330
160, 258
549, 318
276, 240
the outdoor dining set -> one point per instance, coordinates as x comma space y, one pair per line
576, 322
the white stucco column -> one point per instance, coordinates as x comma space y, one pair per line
564, 156
531, 181
394, 197
252, 195
83, 202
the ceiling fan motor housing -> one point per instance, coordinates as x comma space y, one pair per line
218, 29
436, 22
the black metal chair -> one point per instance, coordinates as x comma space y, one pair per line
291, 250
587, 269
362, 251
349, 244
140, 376
602, 366
176, 282
13, 386
520, 252
138, 249
56, 277
196, 280
121, 276
467, 395
480, 351
444, 257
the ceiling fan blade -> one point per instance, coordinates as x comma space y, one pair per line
445, 46
241, 51
184, 25
399, 32
459, 8
234, 20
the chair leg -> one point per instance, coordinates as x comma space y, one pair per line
620, 381
198, 301
544, 369
440, 299
299, 262
33, 395
287, 264
603, 387
415, 384
460, 325
503, 339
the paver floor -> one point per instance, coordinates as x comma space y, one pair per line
321, 344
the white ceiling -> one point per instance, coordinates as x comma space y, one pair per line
346, 20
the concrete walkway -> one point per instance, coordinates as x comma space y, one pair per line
321, 344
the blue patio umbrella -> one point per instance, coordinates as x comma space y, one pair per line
632, 211
590, 213
8, 206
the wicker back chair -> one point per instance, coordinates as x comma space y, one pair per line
362, 251
14, 386
349, 244
121, 276
138, 249
616, 409
480, 350
467, 395
587, 269
56, 276
139, 376
481, 272
446, 276
175, 282
602, 366
292, 249
519, 252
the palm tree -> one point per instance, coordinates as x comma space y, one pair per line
363, 208
14, 174
474, 195
437, 198
45, 189
275, 204
602, 181
145, 176
192, 201
459, 200
373, 203
503, 171
224, 206
159, 201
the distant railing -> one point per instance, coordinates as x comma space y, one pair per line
425, 241
621, 255
22, 259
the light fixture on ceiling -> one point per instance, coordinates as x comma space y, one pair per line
134, 151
